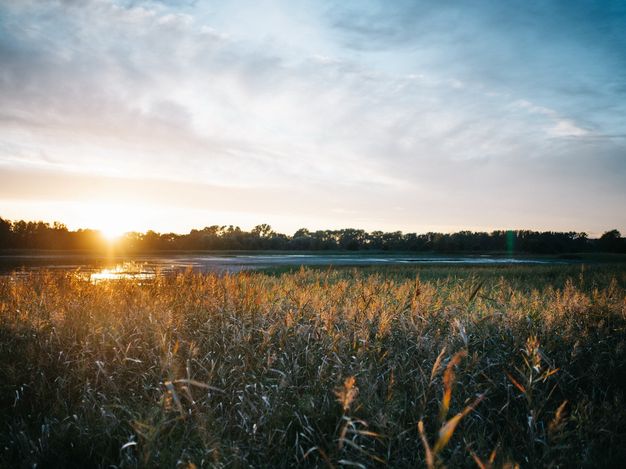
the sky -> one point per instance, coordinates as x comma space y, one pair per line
406, 115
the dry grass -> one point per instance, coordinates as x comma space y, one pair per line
314, 368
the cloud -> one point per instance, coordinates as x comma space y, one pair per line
375, 103
567, 128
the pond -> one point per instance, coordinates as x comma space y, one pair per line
141, 267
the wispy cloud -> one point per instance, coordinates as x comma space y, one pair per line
377, 103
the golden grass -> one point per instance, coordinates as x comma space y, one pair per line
318, 368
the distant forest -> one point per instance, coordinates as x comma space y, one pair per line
39, 235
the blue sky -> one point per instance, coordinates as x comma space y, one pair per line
403, 115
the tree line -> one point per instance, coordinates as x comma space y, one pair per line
56, 236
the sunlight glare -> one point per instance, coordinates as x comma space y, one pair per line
126, 270
113, 220
112, 233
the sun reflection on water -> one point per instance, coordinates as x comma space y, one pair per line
126, 270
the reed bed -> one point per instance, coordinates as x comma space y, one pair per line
319, 368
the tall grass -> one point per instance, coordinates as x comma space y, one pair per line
319, 368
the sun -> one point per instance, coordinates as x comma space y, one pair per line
112, 232
112, 219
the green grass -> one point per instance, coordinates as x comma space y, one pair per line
320, 367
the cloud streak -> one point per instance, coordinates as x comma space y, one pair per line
431, 109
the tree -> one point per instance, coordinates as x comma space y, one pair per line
262, 231
5, 233
612, 241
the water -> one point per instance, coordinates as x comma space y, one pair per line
142, 267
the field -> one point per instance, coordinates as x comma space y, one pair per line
410, 367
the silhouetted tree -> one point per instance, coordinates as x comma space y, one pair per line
39, 235
611, 241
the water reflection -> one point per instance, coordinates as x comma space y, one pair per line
125, 270
146, 267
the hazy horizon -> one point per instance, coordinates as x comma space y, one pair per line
411, 116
